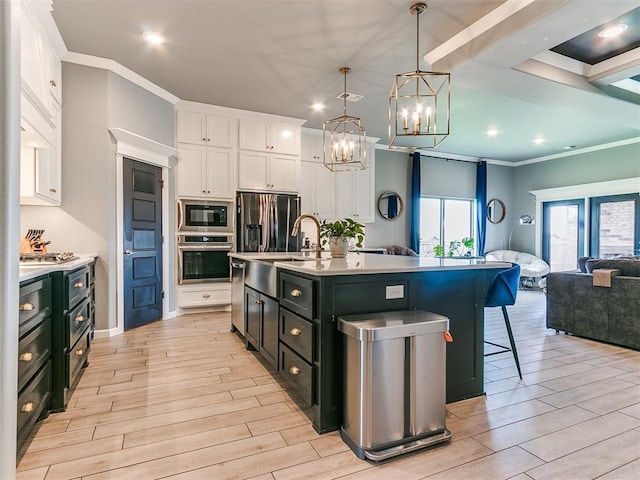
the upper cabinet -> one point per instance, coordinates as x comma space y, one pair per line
273, 137
268, 171
269, 155
206, 172
201, 128
223, 149
41, 105
335, 195
311, 145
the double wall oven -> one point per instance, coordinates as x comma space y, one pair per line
205, 237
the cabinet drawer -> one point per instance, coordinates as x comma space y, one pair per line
297, 333
204, 296
33, 401
78, 320
33, 352
77, 286
35, 304
76, 359
299, 372
297, 294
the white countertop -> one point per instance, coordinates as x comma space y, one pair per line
365, 263
33, 270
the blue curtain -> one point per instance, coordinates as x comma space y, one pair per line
481, 206
415, 202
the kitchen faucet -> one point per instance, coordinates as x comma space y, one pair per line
296, 227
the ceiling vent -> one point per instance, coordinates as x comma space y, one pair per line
349, 97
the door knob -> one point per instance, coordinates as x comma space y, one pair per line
128, 252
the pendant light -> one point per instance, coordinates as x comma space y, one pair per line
344, 138
419, 103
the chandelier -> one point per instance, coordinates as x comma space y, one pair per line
419, 103
344, 138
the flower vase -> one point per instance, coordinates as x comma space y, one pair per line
338, 246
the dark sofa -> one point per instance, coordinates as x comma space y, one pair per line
609, 314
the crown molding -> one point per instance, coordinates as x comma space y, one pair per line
124, 72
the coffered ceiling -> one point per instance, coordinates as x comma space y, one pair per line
281, 56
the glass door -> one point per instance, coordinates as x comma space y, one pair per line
562, 234
615, 226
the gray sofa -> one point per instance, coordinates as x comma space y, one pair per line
609, 314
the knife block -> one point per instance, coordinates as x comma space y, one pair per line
27, 246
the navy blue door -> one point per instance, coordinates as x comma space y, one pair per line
142, 243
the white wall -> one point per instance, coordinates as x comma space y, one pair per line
598, 166
95, 100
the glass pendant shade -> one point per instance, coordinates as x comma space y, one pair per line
419, 104
344, 139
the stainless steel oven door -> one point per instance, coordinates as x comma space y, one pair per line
203, 263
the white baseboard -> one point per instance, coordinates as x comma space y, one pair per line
109, 332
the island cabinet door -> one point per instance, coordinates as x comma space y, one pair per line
252, 311
269, 338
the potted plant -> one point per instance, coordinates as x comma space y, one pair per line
457, 248
337, 234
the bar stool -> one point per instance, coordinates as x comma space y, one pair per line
502, 292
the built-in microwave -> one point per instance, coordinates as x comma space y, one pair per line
205, 216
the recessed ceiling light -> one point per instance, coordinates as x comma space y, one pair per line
538, 141
318, 106
613, 30
154, 37
492, 133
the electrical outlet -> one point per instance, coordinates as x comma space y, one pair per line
395, 291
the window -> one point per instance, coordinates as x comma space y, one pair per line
563, 234
443, 220
615, 225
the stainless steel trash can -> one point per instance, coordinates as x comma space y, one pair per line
394, 382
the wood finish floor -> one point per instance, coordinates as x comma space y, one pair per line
183, 399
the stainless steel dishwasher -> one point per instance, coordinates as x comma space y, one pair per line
238, 271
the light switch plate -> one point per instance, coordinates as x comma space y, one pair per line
394, 291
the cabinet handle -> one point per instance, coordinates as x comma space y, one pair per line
204, 139
78, 285
26, 307
26, 357
204, 191
80, 318
79, 352
208, 139
205, 295
53, 83
295, 331
294, 370
52, 190
27, 407
296, 293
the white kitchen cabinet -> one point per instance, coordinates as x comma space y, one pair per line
317, 190
264, 136
268, 171
203, 295
355, 191
201, 128
311, 144
40, 103
206, 172
39, 176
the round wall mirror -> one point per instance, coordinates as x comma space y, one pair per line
496, 210
390, 205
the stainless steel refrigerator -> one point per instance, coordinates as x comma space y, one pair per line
264, 222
